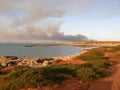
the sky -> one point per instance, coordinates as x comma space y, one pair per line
59, 20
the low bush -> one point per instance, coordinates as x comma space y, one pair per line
3, 72
100, 64
93, 71
17, 72
88, 75
93, 54
50, 75
115, 48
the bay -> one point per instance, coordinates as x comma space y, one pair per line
20, 50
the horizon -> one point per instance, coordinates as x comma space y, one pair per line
59, 20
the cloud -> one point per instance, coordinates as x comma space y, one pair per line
19, 18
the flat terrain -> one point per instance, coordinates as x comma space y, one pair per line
95, 43
82, 44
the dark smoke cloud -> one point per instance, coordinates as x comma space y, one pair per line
19, 18
22, 17
51, 32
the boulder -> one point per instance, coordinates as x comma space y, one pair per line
50, 59
19, 64
13, 58
3, 64
11, 64
45, 63
39, 59
0, 65
9, 57
58, 60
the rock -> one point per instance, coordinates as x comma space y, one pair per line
13, 58
51, 62
50, 59
45, 63
39, 59
19, 64
3, 64
11, 64
58, 60
9, 57
0, 65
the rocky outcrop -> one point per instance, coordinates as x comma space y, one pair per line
9, 57
24, 61
8, 61
36, 61
45, 63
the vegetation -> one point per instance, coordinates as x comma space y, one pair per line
3, 73
115, 48
23, 77
95, 69
99, 53
114, 51
94, 54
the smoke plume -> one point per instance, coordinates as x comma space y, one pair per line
50, 31
40, 19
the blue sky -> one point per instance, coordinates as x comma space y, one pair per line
60, 20
99, 29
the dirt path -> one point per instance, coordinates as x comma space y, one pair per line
110, 83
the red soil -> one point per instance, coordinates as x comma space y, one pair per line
72, 62
8, 68
112, 82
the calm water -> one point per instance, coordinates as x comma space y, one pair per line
45, 51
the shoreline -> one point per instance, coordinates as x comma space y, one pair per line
42, 61
79, 44
111, 82
6, 61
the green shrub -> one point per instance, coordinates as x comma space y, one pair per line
33, 77
93, 71
14, 85
17, 72
116, 48
100, 64
3, 72
92, 55
50, 75
86, 74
